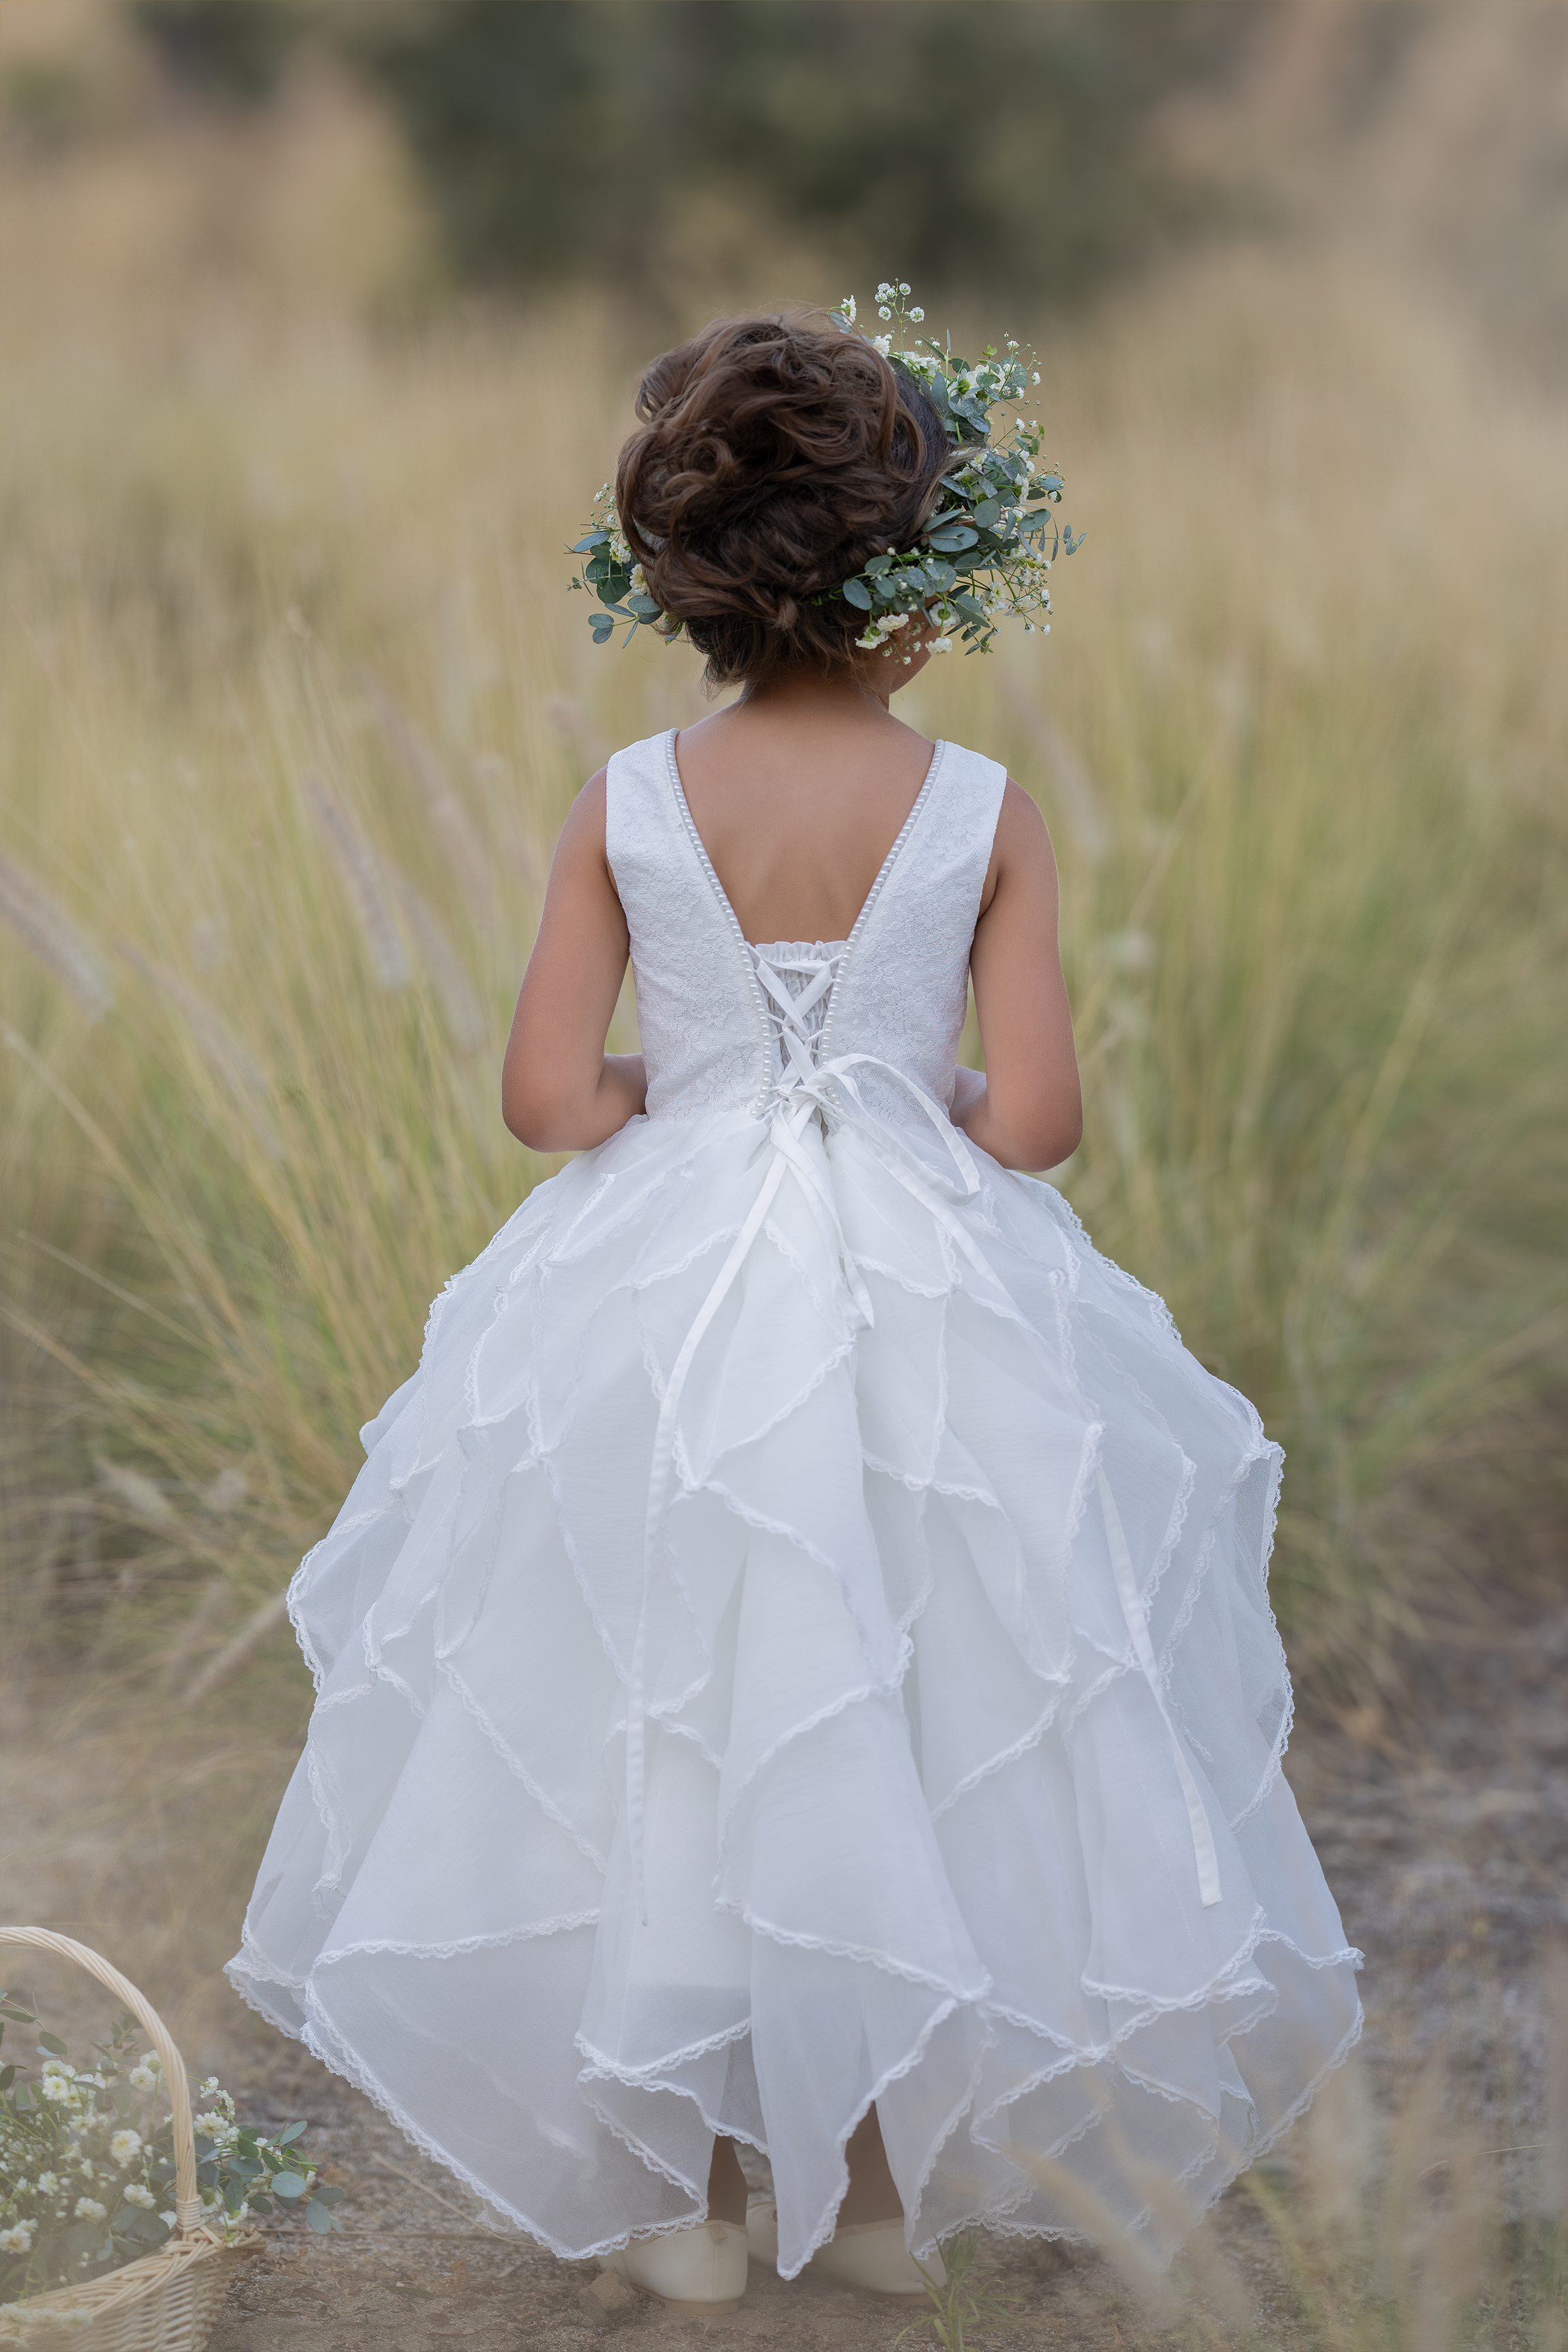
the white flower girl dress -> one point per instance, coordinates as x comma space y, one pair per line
800, 1638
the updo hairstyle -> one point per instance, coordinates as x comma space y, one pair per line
775, 459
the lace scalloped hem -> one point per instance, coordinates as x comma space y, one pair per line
1039, 2183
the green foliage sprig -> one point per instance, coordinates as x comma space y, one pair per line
984, 557
613, 575
965, 2302
87, 2163
986, 554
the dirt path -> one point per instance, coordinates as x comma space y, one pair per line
1444, 1833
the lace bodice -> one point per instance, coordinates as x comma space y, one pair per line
895, 990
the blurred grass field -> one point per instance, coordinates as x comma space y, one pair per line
294, 703
291, 703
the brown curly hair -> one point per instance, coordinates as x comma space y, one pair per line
775, 459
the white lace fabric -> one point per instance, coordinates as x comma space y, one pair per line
801, 1637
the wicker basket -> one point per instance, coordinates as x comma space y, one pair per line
166, 2301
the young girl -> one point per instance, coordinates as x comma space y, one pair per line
795, 1668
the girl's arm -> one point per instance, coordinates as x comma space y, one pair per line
1026, 1111
559, 1091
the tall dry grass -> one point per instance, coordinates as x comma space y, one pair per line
294, 702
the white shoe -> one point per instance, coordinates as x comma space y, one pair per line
870, 2255
702, 2268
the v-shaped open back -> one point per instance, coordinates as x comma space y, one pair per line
883, 870
901, 990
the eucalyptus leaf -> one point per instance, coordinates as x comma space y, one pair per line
318, 2217
604, 628
289, 2185
878, 565
988, 513
290, 2132
144, 2228
644, 607
18, 2016
857, 592
7, 2076
953, 542
52, 2045
594, 539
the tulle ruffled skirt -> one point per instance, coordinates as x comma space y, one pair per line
962, 1703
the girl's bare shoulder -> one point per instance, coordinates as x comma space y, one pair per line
1022, 847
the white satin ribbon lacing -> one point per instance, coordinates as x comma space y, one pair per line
803, 1091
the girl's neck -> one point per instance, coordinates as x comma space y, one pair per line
859, 694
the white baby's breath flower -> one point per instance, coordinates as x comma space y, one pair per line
884, 344
847, 307
55, 2087
143, 2078
883, 312
168, 2220
917, 316
48, 2184
136, 2193
88, 2209
125, 2146
942, 645
18, 2239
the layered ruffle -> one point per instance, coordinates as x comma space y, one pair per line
915, 1828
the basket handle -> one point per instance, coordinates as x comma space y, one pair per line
187, 2203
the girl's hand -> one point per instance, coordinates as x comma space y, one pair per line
559, 1091
1027, 1109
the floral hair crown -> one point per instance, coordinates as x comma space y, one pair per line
980, 559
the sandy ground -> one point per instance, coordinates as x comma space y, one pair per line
1443, 1828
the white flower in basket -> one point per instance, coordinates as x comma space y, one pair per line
121, 2219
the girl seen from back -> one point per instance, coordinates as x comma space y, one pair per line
796, 1671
